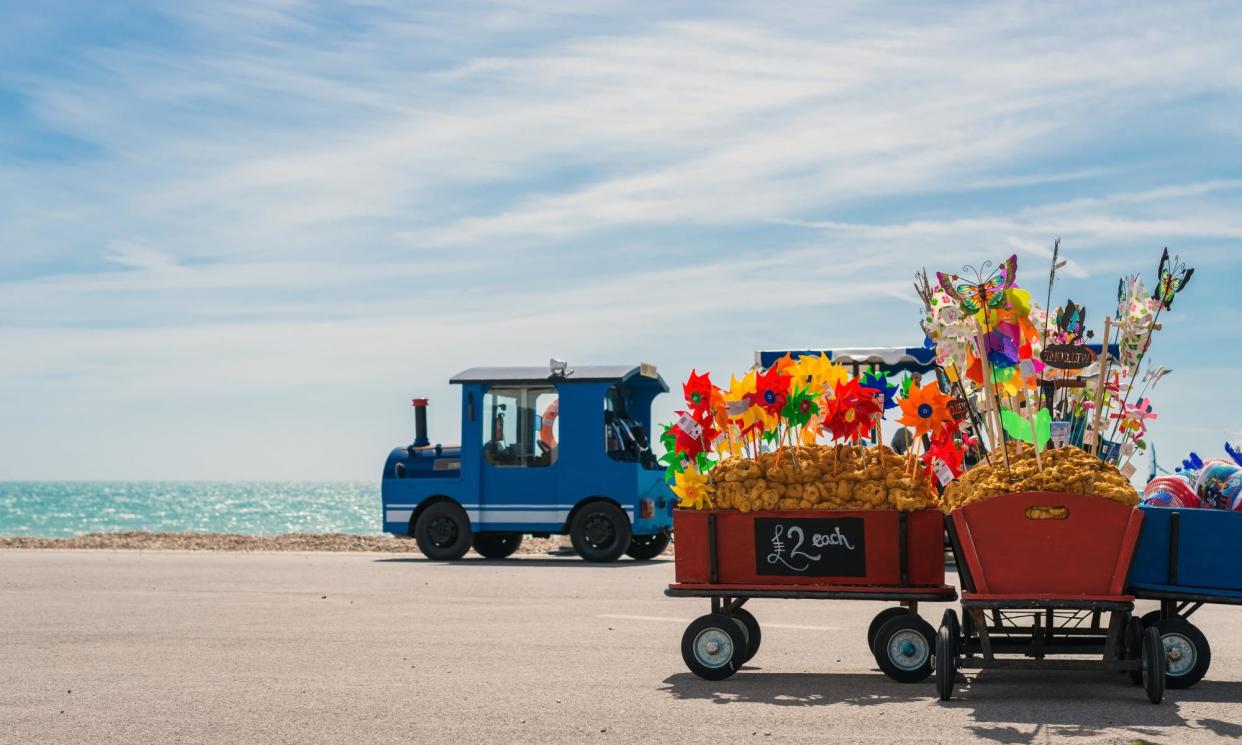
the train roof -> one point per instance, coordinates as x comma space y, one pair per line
644, 373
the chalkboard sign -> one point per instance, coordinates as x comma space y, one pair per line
810, 547
1067, 356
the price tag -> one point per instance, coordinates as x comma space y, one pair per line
738, 408
687, 424
943, 474
1127, 449
1128, 470
721, 438
1060, 432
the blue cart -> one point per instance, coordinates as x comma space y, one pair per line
1183, 561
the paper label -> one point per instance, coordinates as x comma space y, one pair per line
943, 474
1088, 437
1128, 470
1127, 449
1060, 433
738, 408
687, 424
721, 438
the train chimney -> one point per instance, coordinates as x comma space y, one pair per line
420, 423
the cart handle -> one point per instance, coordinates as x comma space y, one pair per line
1047, 512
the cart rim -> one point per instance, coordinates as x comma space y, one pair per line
713, 647
908, 649
1181, 653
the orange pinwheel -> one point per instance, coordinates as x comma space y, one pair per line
925, 410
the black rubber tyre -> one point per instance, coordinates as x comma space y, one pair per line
1155, 664
600, 532
1133, 643
713, 646
443, 532
904, 648
955, 627
1187, 652
647, 547
879, 620
496, 545
754, 637
946, 657
1150, 617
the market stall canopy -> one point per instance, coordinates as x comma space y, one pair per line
890, 360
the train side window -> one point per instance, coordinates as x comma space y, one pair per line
521, 426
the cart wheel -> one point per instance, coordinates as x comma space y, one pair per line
1155, 665
879, 620
1187, 650
903, 648
1150, 617
713, 646
946, 656
1133, 643
753, 635
955, 628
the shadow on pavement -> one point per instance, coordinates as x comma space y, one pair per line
796, 689
526, 561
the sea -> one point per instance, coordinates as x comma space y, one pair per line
63, 509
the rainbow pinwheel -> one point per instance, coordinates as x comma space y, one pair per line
878, 382
851, 412
693, 490
800, 407
771, 390
925, 410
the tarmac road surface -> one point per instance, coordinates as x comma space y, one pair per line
168, 647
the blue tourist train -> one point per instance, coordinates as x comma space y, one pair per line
543, 451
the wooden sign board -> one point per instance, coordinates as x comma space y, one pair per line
1067, 356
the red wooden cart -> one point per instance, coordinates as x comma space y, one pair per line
731, 557
1038, 571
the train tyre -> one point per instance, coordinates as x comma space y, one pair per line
443, 532
496, 545
600, 532
714, 646
646, 547
904, 648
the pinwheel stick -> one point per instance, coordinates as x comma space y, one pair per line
1099, 386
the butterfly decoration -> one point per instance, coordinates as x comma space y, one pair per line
1019, 428
984, 292
1174, 276
1071, 320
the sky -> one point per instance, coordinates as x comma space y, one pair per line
237, 237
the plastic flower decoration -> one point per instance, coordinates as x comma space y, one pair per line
693, 490
925, 410
878, 382
850, 413
698, 391
771, 390
800, 407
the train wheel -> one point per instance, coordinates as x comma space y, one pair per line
496, 545
879, 620
713, 646
903, 648
600, 532
1155, 665
443, 532
1187, 649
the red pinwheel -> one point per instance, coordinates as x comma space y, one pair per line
692, 433
698, 391
946, 452
771, 391
850, 413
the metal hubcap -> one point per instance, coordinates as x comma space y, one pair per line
713, 648
1181, 654
599, 532
908, 650
442, 531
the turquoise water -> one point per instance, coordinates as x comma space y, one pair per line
61, 509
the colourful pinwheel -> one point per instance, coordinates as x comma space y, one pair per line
800, 407
925, 410
698, 391
878, 382
693, 490
850, 413
771, 390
